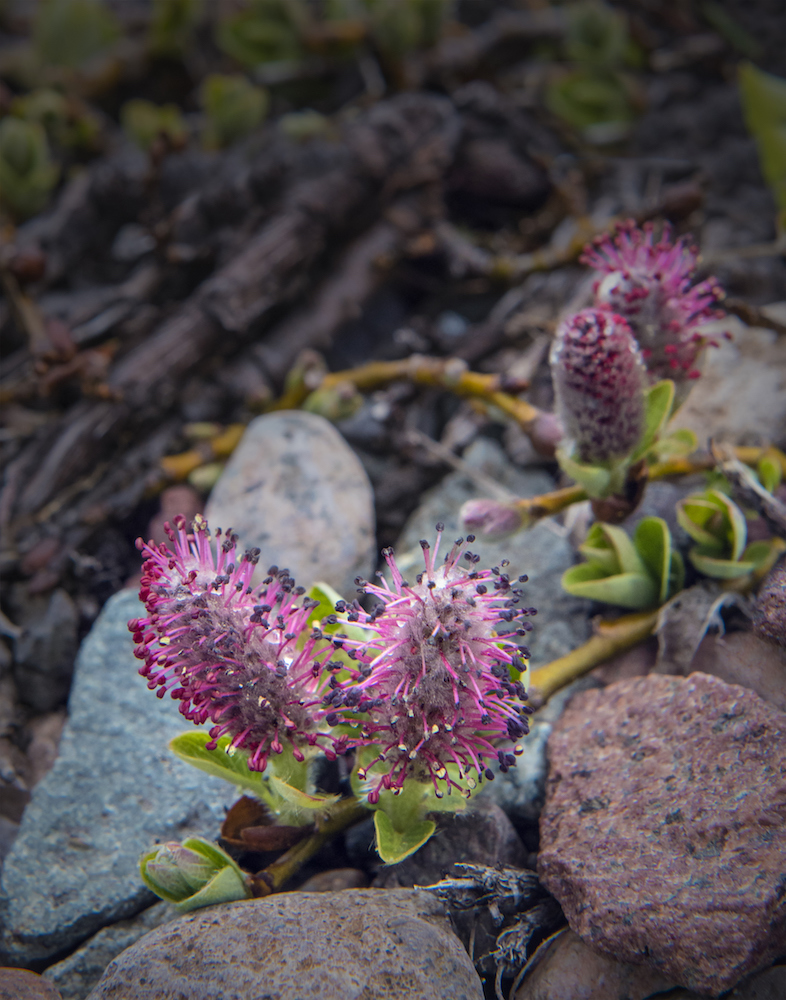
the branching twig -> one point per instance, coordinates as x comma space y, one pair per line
611, 637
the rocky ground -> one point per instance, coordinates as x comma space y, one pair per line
177, 308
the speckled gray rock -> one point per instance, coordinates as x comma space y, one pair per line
113, 791
542, 552
662, 835
356, 944
296, 489
78, 974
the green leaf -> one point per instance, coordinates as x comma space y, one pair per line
636, 591
653, 542
764, 106
233, 108
225, 887
764, 554
719, 569
394, 845
737, 532
191, 748
676, 573
769, 473
593, 478
658, 403
703, 521
627, 559
299, 799
675, 445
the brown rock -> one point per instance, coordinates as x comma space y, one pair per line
768, 985
572, 970
745, 658
336, 879
352, 945
663, 832
19, 984
482, 835
770, 612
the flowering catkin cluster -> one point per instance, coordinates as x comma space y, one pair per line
599, 378
430, 683
433, 680
649, 283
229, 653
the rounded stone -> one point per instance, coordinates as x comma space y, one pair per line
19, 984
356, 944
662, 835
294, 488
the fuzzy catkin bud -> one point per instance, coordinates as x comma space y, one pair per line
599, 378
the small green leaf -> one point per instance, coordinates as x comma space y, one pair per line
719, 569
299, 799
225, 887
675, 445
764, 554
637, 591
605, 538
394, 845
593, 478
676, 573
658, 403
653, 542
764, 105
769, 472
737, 532
703, 521
191, 748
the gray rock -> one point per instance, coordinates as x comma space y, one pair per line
543, 552
348, 945
295, 488
741, 395
45, 654
114, 790
78, 974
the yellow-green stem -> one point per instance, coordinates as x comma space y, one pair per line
342, 814
610, 639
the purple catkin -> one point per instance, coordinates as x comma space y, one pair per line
432, 681
649, 284
599, 380
228, 652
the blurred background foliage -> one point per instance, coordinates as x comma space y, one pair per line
210, 72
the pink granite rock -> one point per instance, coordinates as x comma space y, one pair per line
663, 835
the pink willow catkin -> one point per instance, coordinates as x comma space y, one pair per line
229, 652
429, 687
432, 685
648, 282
